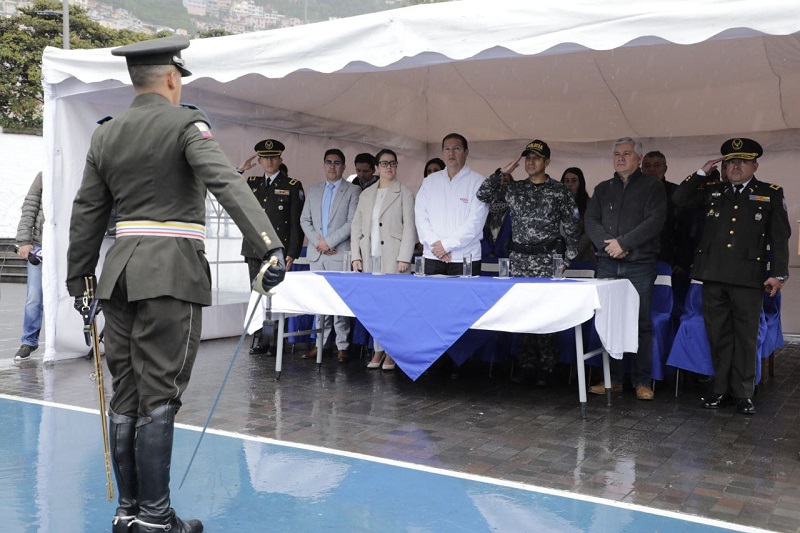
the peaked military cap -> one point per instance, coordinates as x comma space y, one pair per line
164, 51
741, 148
537, 147
269, 148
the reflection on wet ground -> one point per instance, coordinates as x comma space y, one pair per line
54, 480
667, 454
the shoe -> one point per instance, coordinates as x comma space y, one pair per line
717, 401
25, 352
261, 350
600, 388
543, 379
388, 366
311, 354
372, 365
643, 392
746, 407
342, 356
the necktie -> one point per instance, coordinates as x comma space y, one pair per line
737, 189
326, 208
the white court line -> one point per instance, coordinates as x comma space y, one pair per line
434, 470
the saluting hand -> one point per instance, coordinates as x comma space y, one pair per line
709, 166
508, 169
248, 163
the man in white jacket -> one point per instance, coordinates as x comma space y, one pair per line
449, 216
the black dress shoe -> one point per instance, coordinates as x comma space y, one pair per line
260, 350
716, 401
746, 407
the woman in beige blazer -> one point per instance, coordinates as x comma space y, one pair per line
384, 226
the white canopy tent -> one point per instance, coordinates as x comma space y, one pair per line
682, 76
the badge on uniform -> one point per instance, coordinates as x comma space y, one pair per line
282, 192
758, 217
302, 196
716, 194
205, 131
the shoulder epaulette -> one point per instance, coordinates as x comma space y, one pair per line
773, 186
105, 119
195, 108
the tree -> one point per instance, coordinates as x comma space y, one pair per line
23, 39
213, 32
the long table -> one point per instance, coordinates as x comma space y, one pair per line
417, 319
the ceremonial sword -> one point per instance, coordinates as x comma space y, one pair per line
89, 311
261, 292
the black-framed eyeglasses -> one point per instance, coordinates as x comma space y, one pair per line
330, 162
385, 164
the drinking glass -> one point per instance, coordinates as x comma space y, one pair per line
504, 267
419, 266
558, 266
466, 268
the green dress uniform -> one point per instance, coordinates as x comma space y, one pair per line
282, 200
157, 160
732, 261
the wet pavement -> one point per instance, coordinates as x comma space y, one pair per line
668, 454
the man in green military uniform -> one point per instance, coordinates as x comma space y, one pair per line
156, 160
744, 216
282, 199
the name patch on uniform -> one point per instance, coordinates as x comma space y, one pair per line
716, 194
757, 198
205, 131
282, 191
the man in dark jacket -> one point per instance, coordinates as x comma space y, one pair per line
157, 160
624, 220
744, 216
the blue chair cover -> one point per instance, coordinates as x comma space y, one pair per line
691, 350
663, 331
773, 338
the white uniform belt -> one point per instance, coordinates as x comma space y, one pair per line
171, 228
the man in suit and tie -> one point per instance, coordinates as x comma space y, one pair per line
326, 218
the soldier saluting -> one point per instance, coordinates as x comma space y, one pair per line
157, 160
744, 216
282, 199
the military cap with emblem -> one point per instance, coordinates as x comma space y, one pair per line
164, 51
741, 148
537, 147
269, 148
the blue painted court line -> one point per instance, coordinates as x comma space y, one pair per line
52, 478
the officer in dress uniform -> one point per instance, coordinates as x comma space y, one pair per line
157, 159
282, 199
540, 207
744, 216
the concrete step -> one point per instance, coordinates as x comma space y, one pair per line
13, 269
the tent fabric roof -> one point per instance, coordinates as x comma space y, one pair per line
575, 71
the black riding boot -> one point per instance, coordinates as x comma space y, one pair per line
153, 457
121, 434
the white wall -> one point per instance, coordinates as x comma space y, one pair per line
20, 161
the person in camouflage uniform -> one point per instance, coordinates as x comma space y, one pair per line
544, 221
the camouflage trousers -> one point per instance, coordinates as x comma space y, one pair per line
534, 352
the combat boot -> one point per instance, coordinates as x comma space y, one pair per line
154, 435
121, 434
